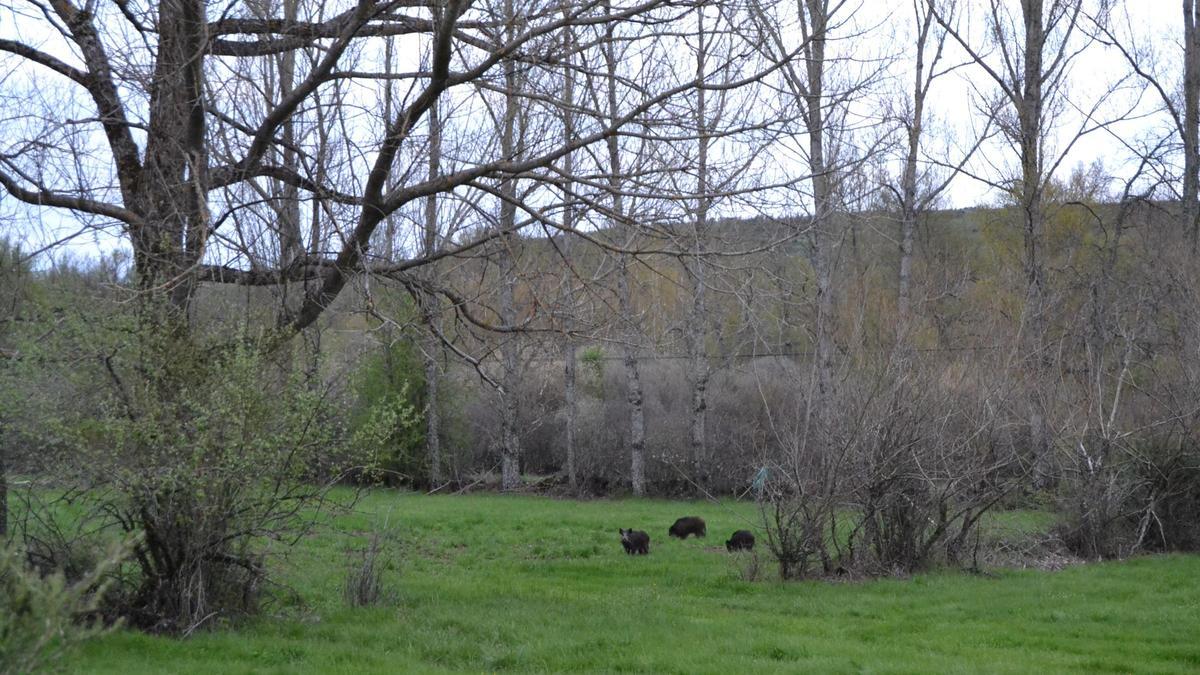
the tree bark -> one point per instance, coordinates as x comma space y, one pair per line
637, 422
1191, 121
908, 183
291, 246
433, 444
698, 321
1030, 116
173, 188
823, 237
569, 394
510, 464
3, 483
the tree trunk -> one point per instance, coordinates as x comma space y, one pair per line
908, 183
1030, 118
697, 335
633, 380
173, 194
3, 483
433, 444
1191, 121
637, 422
699, 376
572, 406
510, 464
823, 236
908, 224
912, 204
572, 410
291, 246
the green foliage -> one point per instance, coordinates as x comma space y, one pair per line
499, 582
199, 447
41, 617
14, 280
391, 434
387, 421
592, 359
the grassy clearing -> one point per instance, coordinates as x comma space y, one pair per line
513, 583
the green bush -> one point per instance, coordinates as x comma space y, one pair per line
43, 616
387, 420
197, 446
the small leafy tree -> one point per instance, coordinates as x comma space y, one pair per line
390, 435
195, 446
387, 423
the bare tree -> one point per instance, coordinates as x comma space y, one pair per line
621, 225
820, 88
1145, 61
1190, 122
568, 223
912, 204
163, 198
510, 465
1032, 55
698, 319
433, 346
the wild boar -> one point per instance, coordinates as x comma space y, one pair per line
688, 525
635, 542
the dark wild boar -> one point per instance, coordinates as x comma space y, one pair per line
742, 540
688, 525
635, 541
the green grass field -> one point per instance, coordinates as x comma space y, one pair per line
489, 583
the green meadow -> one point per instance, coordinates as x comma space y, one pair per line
492, 583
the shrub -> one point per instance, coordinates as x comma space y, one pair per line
747, 565
389, 421
1137, 495
390, 393
42, 616
365, 567
198, 447
897, 484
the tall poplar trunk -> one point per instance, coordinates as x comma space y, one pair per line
637, 421
510, 464
823, 237
908, 183
433, 347
569, 394
1030, 116
433, 376
697, 321
1191, 120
